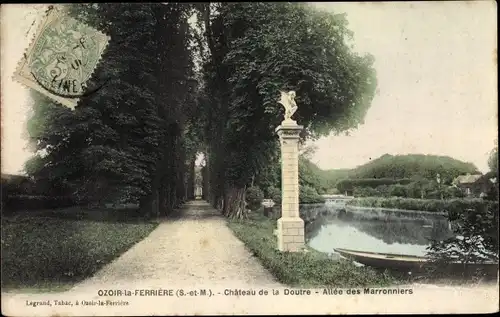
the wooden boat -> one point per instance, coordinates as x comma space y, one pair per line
408, 263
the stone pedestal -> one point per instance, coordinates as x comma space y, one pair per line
290, 231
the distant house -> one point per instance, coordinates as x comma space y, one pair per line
473, 185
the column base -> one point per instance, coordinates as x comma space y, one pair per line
290, 234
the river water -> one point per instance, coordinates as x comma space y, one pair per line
329, 226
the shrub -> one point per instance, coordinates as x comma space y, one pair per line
452, 192
365, 192
417, 189
492, 193
348, 185
452, 206
275, 195
475, 238
309, 195
398, 191
383, 190
254, 197
29, 202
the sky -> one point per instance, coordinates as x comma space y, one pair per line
436, 69
437, 79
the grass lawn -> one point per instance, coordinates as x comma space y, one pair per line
45, 251
310, 269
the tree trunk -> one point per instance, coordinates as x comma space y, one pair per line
162, 200
234, 203
148, 205
155, 204
206, 190
145, 205
191, 179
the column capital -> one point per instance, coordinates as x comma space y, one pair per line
289, 129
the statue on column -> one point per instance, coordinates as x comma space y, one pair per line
288, 102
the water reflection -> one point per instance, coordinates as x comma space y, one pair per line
374, 230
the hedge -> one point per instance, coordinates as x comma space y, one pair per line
349, 184
309, 195
30, 202
254, 196
452, 206
412, 190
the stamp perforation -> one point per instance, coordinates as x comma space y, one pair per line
50, 15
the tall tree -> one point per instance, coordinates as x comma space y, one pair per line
124, 142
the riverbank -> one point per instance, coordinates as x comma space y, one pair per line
394, 210
439, 206
309, 269
52, 250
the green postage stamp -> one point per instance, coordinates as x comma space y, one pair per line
61, 58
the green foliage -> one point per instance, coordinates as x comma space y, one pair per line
475, 237
398, 190
309, 195
419, 189
50, 252
366, 192
452, 192
311, 269
31, 202
348, 185
269, 177
275, 195
310, 175
254, 197
451, 206
332, 177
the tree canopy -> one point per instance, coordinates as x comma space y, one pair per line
125, 142
256, 50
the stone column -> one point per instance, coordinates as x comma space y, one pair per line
290, 231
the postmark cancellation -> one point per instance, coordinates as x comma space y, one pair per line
61, 58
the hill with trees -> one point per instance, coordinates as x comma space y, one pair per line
385, 170
416, 171
414, 166
401, 167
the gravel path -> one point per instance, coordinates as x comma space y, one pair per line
197, 248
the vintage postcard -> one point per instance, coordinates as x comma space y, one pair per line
249, 158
